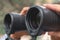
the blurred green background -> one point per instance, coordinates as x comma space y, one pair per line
16, 6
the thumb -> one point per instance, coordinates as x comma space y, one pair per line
24, 10
55, 7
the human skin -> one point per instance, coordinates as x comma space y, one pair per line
17, 35
54, 7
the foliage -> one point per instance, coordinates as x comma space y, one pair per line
19, 4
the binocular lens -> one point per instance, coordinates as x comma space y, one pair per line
33, 18
7, 21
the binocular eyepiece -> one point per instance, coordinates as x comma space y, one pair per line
14, 22
36, 20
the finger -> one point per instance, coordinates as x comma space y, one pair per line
56, 34
50, 33
55, 7
24, 10
17, 35
12, 36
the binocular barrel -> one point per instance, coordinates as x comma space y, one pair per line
40, 19
14, 22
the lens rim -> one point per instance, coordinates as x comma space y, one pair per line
8, 30
30, 30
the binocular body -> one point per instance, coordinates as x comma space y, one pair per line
37, 20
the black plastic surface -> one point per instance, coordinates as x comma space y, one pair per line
14, 22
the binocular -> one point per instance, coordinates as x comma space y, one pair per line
38, 19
